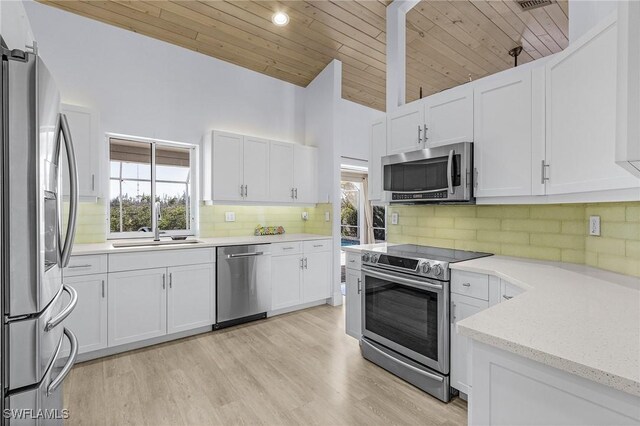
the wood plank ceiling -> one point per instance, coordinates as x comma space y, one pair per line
448, 41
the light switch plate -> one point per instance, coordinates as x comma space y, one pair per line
229, 217
594, 225
327, 216
305, 216
394, 218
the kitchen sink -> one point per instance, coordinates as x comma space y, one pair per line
151, 243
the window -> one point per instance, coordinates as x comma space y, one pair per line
379, 224
142, 170
349, 215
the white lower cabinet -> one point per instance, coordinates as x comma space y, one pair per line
353, 308
191, 297
88, 321
462, 307
137, 305
316, 276
286, 279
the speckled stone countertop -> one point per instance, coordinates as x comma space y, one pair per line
107, 247
578, 319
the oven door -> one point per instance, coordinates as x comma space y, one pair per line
408, 315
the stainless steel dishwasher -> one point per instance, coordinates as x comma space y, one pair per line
243, 284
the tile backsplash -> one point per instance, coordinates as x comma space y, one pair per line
548, 232
92, 220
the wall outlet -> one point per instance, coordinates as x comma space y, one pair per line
229, 217
594, 225
305, 216
327, 216
394, 218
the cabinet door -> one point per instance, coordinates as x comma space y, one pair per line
353, 311
305, 174
316, 283
581, 116
191, 297
228, 161
449, 116
377, 150
88, 321
286, 279
137, 305
405, 127
503, 136
509, 291
256, 169
461, 308
281, 171
82, 125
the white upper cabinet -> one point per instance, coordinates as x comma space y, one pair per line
448, 117
405, 127
247, 168
83, 127
305, 172
256, 169
507, 126
227, 166
377, 150
281, 171
581, 116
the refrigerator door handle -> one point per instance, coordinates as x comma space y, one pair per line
53, 322
65, 254
73, 354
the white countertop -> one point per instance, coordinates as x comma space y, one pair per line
575, 318
107, 247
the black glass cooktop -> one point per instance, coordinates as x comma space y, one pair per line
434, 253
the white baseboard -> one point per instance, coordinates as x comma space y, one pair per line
298, 307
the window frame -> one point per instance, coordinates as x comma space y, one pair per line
385, 222
193, 187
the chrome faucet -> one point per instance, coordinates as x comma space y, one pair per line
156, 228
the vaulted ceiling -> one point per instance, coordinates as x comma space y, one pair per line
448, 41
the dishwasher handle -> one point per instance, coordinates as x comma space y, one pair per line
236, 255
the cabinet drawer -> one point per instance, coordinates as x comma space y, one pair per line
354, 261
283, 249
159, 259
318, 245
470, 284
86, 265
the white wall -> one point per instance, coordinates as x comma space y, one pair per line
14, 25
354, 129
145, 87
585, 14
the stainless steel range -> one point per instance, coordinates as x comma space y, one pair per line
405, 315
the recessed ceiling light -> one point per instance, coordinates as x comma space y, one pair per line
280, 19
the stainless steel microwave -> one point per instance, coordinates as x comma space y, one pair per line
436, 175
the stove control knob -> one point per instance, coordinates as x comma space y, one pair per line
365, 257
426, 268
374, 258
437, 270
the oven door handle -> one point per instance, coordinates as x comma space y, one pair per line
409, 366
450, 171
402, 280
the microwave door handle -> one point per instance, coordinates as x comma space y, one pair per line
450, 171
65, 253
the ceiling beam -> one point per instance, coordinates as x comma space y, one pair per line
396, 51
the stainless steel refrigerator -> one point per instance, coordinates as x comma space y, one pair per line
35, 302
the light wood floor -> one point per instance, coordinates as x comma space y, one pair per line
298, 368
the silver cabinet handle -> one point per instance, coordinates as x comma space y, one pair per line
292, 194
296, 191
103, 289
453, 313
86, 265
306, 263
425, 133
475, 178
73, 354
287, 248
505, 297
241, 191
302, 263
419, 134
164, 284
359, 285
63, 130
466, 284
53, 322
93, 182
409, 366
352, 261
318, 245
246, 191
450, 171
544, 172
170, 280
